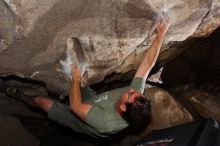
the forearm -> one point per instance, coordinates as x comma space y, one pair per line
76, 105
153, 52
150, 58
75, 95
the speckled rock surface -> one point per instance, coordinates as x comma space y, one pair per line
113, 34
166, 110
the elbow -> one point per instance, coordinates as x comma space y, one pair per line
72, 108
75, 107
77, 110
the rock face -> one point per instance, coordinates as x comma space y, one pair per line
205, 104
166, 111
198, 102
199, 63
113, 34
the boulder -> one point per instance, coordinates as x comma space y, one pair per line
113, 34
207, 105
199, 63
199, 102
166, 110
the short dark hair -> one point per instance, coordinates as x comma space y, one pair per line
138, 114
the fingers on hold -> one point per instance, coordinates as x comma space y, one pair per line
74, 66
165, 21
158, 19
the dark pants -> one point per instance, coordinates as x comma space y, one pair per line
61, 113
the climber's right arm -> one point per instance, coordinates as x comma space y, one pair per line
76, 105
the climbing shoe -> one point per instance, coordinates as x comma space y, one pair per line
17, 94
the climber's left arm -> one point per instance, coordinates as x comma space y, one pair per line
152, 53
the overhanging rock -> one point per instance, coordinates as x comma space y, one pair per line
113, 34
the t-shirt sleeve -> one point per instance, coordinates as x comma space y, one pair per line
104, 121
138, 84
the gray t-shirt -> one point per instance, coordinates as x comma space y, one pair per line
102, 118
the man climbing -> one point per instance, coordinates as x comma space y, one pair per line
112, 111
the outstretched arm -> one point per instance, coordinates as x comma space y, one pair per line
76, 105
152, 53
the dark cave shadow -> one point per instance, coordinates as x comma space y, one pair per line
61, 135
